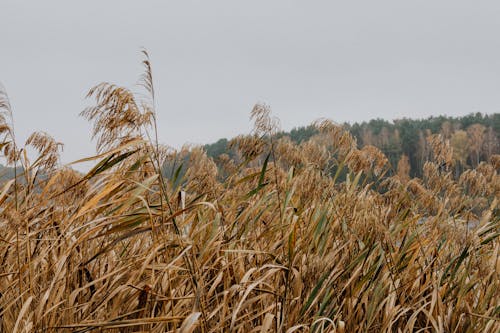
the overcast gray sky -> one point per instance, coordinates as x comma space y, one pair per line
213, 60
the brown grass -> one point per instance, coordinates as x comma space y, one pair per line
313, 237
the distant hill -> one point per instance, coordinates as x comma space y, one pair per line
474, 137
7, 173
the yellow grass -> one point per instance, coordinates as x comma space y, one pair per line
315, 237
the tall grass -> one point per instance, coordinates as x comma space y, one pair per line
315, 237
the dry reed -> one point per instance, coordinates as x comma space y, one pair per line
315, 237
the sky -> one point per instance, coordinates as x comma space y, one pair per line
213, 60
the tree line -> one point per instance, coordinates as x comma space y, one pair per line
474, 138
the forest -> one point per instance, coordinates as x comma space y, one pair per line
474, 138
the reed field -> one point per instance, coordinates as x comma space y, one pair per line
317, 236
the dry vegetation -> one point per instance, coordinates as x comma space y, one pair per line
315, 237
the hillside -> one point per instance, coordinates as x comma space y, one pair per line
474, 138
7, 173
